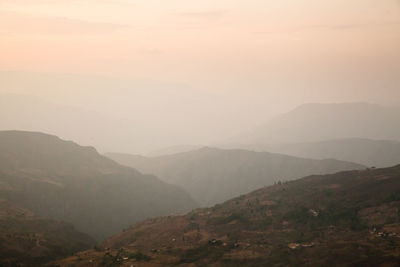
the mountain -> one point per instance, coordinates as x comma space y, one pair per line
319, 122
345, 219
214, 175
61, 180
28, 240
172, 150
378, 153
28, 113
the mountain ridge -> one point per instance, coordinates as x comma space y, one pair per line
323, 121
213, 175
61, 180
348, 218
369, 152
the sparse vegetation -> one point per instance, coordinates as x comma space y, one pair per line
301, 225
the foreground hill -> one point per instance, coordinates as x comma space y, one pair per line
378, 153
61, 180
26, 239
213, 175
344, 219
319, 122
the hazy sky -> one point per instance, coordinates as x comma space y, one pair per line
222, 64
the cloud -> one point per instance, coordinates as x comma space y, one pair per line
356, 26
360, 25
338, 27
56, 2
19, 23
152, 51
202, 15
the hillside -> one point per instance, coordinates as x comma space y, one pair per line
378, 153
61, 180
214, 175
29, 240
319, 122
345, 219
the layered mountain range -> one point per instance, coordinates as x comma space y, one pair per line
214, 175
61, 180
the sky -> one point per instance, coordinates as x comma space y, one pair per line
221, 65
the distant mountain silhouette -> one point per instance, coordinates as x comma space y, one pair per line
378, 153
320, 122
172, 150
61, 180
344, 219
28, 113
214, 175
